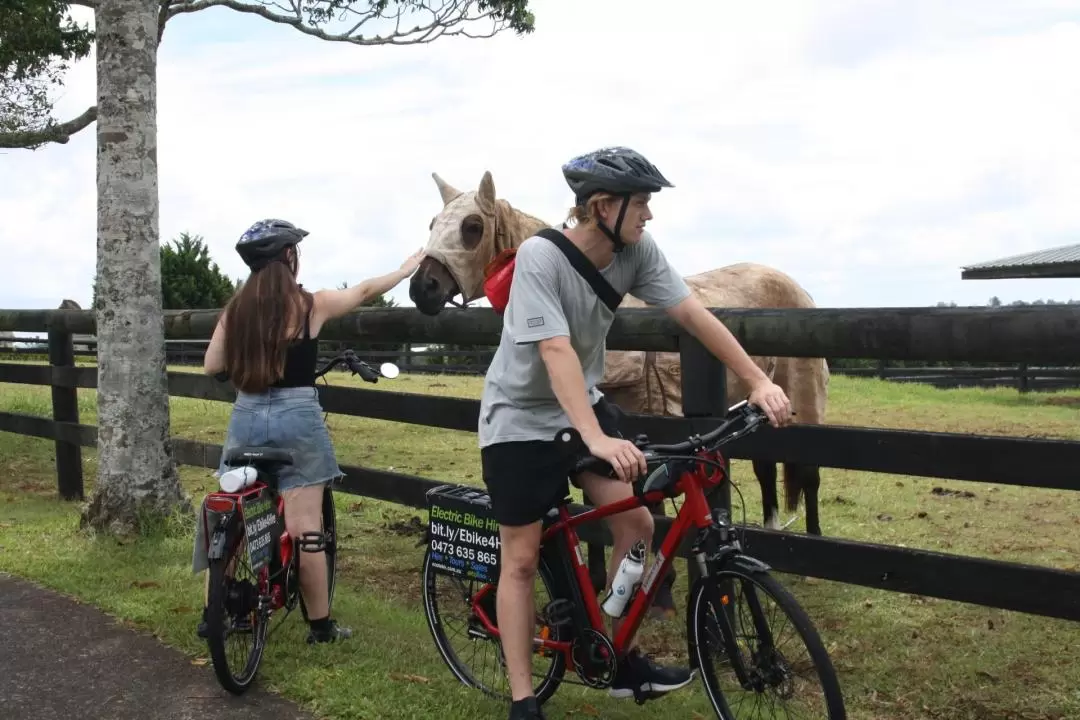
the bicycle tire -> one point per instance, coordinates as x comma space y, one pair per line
697, 608
217, 604
549, 682
329, 521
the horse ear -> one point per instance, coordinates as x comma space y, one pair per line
486, 197
448, 192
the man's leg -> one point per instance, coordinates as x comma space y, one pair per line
626, 529
514, 603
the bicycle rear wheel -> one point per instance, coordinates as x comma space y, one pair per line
236, 630
785, 669
450, 616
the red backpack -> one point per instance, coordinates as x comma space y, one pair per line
499, 273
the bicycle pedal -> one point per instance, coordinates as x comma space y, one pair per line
312, 541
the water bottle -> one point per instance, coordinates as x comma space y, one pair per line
237, 478
625, 581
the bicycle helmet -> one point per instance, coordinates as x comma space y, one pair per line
263, 242
616, 170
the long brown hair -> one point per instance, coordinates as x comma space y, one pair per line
257, 322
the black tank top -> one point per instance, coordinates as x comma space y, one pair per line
301, 357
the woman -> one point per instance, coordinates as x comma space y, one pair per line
543, 378
266, 340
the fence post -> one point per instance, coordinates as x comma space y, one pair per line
704, 394
65, 408
1024, 379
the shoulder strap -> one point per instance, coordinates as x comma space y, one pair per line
584, 267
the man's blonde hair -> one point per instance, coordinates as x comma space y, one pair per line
590, 212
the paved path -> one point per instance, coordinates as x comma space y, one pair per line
61, 660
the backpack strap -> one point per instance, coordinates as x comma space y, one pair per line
584, 267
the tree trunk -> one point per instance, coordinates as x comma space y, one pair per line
137, 479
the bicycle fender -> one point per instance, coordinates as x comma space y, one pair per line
749, 565
219, 539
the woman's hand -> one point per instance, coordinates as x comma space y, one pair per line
768, 396
412, 262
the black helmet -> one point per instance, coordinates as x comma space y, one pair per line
264, 241
617, 170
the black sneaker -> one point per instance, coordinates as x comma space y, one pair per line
638, 676
526, 709
335, 633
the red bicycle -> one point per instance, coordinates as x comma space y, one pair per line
254, 561
740, 656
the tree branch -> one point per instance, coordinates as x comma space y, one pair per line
450, 18
59, 133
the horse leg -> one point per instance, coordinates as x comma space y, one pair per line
766, 475
805, 479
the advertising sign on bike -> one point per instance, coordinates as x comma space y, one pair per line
463, 537
260, 521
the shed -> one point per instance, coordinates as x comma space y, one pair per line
1059, 262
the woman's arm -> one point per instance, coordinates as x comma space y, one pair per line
330, 304
214, 359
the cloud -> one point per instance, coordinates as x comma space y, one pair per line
869, 149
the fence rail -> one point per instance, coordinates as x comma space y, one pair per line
439, 360
997, 334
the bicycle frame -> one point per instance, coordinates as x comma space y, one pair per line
694, 513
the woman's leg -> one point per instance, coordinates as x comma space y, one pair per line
303, 513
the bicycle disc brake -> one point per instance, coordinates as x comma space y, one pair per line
594, 658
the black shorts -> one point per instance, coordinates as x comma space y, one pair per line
527, 478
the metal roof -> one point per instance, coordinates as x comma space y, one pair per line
1058, 262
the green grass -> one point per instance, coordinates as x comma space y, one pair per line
899, 656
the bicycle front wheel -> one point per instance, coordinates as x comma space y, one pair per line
329, 529
788, 670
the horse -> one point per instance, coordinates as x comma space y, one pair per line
474, 226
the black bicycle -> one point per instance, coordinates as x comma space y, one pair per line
254, 561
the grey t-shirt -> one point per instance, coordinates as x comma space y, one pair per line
549, 298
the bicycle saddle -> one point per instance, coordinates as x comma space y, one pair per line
266, 459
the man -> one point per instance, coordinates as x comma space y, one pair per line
543, 377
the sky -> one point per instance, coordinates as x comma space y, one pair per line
868, 148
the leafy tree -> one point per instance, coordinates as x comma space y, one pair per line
38, 41
137, 479
190, 280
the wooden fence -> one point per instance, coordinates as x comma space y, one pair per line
1048, 334
437, 360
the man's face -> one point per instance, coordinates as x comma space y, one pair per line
637, 214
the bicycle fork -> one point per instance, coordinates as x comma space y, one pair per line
714, 550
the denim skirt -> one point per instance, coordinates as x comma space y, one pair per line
289, 418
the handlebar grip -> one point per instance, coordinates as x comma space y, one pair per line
362, 369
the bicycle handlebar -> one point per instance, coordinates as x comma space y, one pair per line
348, 359
752, 416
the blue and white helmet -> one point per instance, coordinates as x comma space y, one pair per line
616, 170
264, 241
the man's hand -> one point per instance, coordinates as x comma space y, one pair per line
622, 455
768, 396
